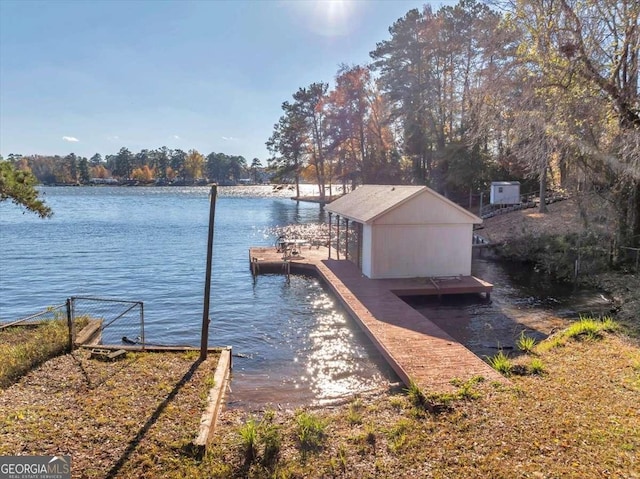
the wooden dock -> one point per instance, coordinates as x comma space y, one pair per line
417, 349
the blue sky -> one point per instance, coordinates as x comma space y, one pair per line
89, 77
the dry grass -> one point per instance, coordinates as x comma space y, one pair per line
580, 419
130, 418
137, 417
25, 347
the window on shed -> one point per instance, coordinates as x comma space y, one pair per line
499, 189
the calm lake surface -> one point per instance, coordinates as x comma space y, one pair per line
149, 244
296, 345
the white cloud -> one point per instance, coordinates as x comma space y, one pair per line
228, 138
70, 139
176, 137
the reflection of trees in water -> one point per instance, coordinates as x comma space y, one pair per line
283, 213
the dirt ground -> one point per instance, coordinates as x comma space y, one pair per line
568, 216
574, 215
110, 417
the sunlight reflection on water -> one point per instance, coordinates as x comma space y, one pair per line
296, 346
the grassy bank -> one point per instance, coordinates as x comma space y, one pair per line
577, 415
571, 411
574, 233
134, 417
25, 347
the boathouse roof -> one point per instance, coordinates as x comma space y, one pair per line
368, 202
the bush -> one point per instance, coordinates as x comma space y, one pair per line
265, 433
501, 363
310, 431
525, 343
536, 367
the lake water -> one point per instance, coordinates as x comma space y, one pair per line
296, 345
149, 244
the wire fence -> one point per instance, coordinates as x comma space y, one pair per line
632, 257
53, 313
122, 322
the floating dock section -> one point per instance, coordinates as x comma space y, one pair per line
417, 349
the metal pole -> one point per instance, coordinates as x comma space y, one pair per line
346, 238
329, 234
142, 323
204, 343
70, 324
337, 236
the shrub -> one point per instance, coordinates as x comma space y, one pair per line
271, 440
355, 412
501, 363
310, 431
264, 433
536, 367
525, 343
249, 438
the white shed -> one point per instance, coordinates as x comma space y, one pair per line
395, 231
505, 193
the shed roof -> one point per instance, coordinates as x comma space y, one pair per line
369, 202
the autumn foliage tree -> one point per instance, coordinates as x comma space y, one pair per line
584, 57
194, 165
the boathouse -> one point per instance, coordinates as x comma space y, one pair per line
397, 231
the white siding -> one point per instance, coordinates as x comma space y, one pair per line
366, 251
427, 208
410, 251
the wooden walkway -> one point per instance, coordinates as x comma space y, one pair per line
417, 349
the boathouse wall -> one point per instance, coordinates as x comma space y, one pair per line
367, 247
409, 231
409, 251
425, 236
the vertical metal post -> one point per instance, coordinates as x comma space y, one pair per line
358, 232
338, 237
204, 342
142, 323
70, 324
346, 240
329, 234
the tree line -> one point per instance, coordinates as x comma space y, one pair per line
455, 98
162, 165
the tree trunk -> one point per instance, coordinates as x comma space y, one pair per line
543, 187
629, 216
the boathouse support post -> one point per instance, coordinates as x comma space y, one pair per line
346, 238
337, 236
330, 234
204, 340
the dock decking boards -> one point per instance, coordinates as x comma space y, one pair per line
417, 349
